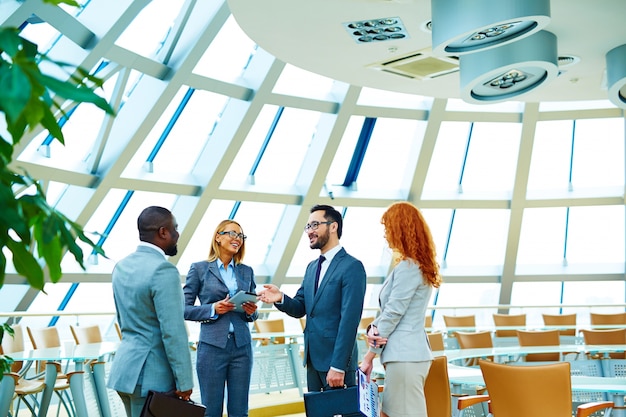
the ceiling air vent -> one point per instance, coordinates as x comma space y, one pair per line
420, 65
567, 60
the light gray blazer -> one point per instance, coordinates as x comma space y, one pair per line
154, 351
403, 299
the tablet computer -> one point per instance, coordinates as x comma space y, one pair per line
241, 297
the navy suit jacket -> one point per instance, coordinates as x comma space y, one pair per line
205, 283
332, 315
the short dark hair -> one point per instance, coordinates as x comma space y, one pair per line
151, 220
330, 214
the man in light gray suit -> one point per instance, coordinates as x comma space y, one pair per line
154, 352
332, 299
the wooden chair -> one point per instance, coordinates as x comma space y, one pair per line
428, 323
540, 338
606, 337
508, 320
454, 323
436, 341
541, 390
48, 337
604, 320
86, 334
562, 320
437, 391
474, 340
303, 322
25, 390
271, 326
118, 330
365, 321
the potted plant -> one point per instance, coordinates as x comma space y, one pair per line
36, 234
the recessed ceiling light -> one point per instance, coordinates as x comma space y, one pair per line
462, 26
376, 30
503, 73
616, 75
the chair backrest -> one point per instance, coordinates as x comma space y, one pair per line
44, 337
540, 338
522, 391
508, 320
606, 337
460, 321
118, 330
365, 321
474, 340
303, 322
607, 319
14, 344
561, 320
271, 326
437, 389
428, 322
86, 334
436, 341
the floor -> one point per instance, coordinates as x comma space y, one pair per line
287, 403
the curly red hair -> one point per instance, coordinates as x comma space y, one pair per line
408, 234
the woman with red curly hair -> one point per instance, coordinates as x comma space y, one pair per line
398, 333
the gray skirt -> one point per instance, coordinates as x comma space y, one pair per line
404, 389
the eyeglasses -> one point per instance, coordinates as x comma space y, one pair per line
314, 225
233, 234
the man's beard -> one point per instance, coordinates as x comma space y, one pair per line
171, 250
321, 241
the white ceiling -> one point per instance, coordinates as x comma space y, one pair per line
311, 35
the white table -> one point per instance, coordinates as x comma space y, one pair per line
79, 354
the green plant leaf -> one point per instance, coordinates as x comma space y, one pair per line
3, 267
26, 264
52, 253
74, 92
15, 91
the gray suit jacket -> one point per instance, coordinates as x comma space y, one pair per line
332, 315
154, 351
205, 283
403, 299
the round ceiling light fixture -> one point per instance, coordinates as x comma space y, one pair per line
462, 26
616, 75
503, 73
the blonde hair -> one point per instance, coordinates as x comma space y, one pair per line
216, 250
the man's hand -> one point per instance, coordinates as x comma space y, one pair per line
271, 294
334, 378
184, 395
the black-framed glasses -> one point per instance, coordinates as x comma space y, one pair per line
314, 225
233, 234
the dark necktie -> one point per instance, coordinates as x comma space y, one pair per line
317, 272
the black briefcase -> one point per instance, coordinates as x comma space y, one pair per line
338, 402
162, 404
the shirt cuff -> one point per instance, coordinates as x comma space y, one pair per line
214, 315
337, 370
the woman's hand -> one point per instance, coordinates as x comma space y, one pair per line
374, 340
367, 364
224, 306
249, 307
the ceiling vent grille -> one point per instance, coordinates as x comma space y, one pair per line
421, 65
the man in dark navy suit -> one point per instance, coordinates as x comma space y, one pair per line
331, 296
